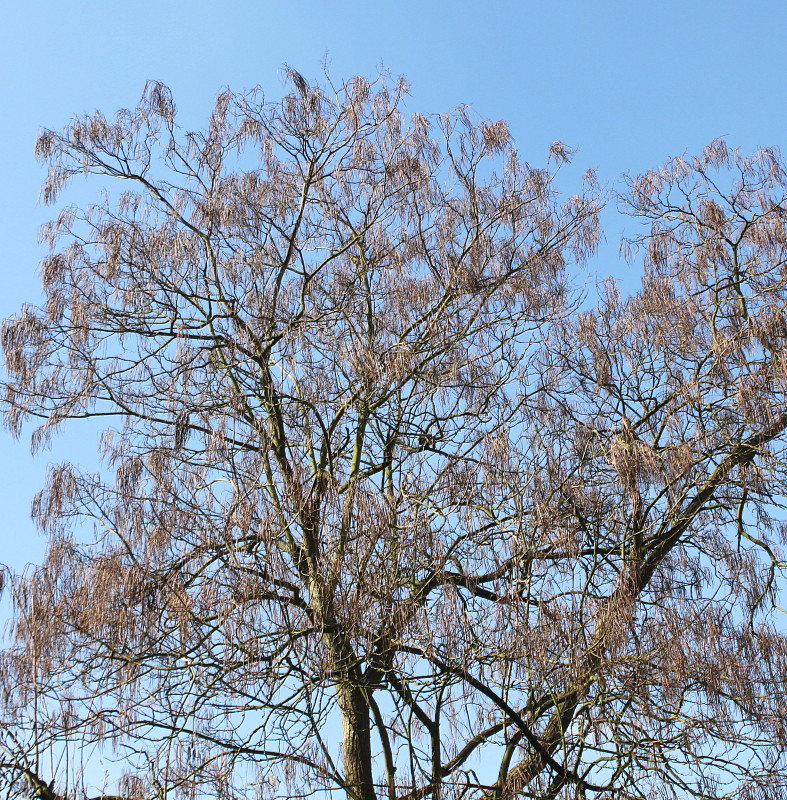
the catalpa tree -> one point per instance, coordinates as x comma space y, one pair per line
386, 508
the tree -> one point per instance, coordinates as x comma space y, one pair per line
384, 508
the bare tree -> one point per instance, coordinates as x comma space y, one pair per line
382, 511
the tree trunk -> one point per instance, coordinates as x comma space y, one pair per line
357, 742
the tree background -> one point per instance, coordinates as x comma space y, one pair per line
628, 84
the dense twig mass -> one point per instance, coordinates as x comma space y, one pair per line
383, 511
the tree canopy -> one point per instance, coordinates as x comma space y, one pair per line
387, 507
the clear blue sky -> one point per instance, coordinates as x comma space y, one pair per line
628, 82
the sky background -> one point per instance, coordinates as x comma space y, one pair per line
629, 83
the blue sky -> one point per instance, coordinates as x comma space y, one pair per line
628, 83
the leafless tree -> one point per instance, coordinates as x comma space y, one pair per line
382, 510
